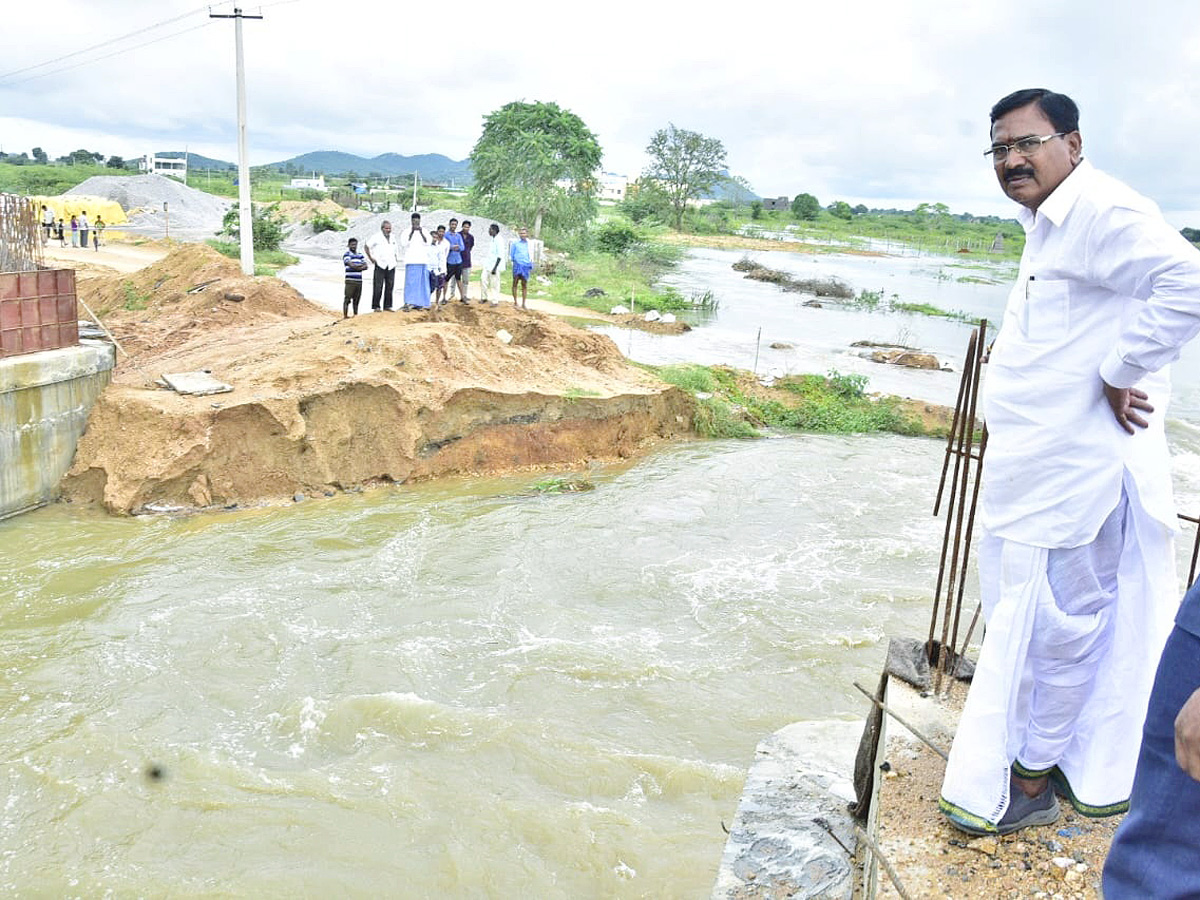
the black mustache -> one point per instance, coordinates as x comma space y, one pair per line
1014, 173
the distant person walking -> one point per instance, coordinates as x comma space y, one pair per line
97, 227
454, 261
468, 239
416, 266
522, 264
381, 251
60, 234
354, 264
83, 229
47, 223
493, 265
74, 231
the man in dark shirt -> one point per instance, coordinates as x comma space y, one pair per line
354, 264
464, 286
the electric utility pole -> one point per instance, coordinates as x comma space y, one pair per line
245, 220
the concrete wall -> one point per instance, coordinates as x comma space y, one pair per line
45, 399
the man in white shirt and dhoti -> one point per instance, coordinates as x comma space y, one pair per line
1076, 561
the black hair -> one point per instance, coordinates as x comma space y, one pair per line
415, 216
466, 221
1058, 108
351, 241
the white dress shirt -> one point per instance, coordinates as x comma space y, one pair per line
1106, 290
383, 250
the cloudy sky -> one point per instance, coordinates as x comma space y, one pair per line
882, 102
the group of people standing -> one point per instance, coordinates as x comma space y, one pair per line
436, 263
80, 229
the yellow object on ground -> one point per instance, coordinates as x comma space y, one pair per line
67, 205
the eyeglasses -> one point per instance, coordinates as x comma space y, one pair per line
1026, 146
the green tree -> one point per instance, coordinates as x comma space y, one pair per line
685, 164
841, 209
115, 162
536, 161
756, 209
39, 156
265, 224
806, 207
645, 202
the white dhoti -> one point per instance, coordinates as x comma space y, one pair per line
1064, 674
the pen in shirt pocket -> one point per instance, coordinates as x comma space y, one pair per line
1027, 284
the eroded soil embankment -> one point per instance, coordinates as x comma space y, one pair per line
322, 404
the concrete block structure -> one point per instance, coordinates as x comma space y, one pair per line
37, 311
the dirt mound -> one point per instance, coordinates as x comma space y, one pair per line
192, 293
142, 197
323, 404
295, 211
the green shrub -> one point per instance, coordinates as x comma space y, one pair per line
322, 222
616, 238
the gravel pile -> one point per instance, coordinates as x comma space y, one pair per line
333, 243
142, 198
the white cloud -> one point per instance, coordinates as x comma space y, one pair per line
877, 102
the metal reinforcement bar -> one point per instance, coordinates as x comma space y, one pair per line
960, 509
20, 234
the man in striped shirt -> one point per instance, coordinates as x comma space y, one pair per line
355, 264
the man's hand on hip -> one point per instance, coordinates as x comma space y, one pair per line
1126, 404
1187, 736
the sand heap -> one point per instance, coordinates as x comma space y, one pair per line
142, 198
322, 404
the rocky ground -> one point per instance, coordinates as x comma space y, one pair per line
1062, 861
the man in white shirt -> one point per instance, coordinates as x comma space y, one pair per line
381, 251
1076, 564
492, 266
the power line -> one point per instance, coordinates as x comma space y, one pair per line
102, 44
97, 59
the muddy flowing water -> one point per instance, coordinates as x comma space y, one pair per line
460, 689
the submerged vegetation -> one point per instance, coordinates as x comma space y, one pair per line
733, 404
837, 291
570, 484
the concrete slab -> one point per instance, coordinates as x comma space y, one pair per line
778, 846
198, 384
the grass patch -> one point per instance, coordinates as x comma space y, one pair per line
266, 262
732, 404
578, 393
928, 309
625, 279
134, 299
571, 484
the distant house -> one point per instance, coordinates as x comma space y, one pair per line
611, 186
782, 203
175, 167
316, 183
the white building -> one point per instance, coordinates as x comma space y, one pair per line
611, 186
176, 167
317, 182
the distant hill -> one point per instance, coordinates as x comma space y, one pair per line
430, 166
196, 161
